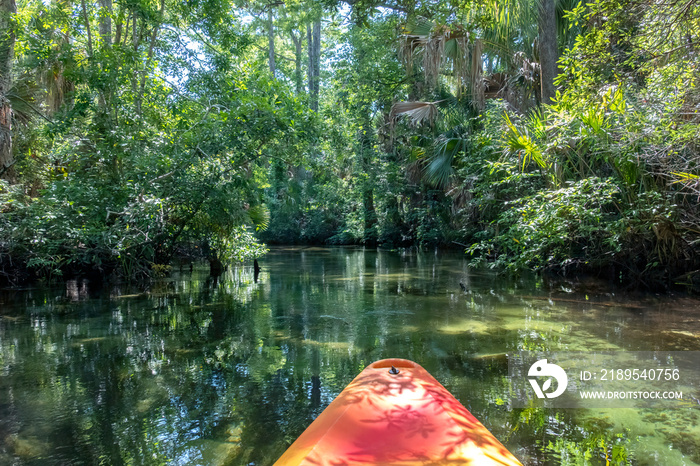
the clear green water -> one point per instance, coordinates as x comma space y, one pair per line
231, 372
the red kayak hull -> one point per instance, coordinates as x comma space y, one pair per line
408, 418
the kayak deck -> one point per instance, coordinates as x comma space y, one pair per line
404, 418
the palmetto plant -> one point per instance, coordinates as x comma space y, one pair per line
23, 96
450, 124
524, 141
418, 113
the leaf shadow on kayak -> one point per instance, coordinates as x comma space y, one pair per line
399, 416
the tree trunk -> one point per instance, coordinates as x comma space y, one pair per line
256, 270
310, 68
135, 35
8, 9
317, 53
271, 41
104, 28
216, 267
297, 41
151, 49
105, 22
119, 26
477, 76
549, 51
86, 18
314, 46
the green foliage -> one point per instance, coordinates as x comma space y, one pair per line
306, 209
170, 136
580, 442
555, 228
127, 170
525, 146
605, 152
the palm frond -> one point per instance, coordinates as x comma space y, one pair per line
519, 141
419, 27
440, 170
23, 99
437, 44
417, 112
537, 122
260, 216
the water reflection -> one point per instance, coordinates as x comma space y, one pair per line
196, 371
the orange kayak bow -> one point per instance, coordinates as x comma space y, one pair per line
395, 412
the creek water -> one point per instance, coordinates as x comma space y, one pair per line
230, 371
